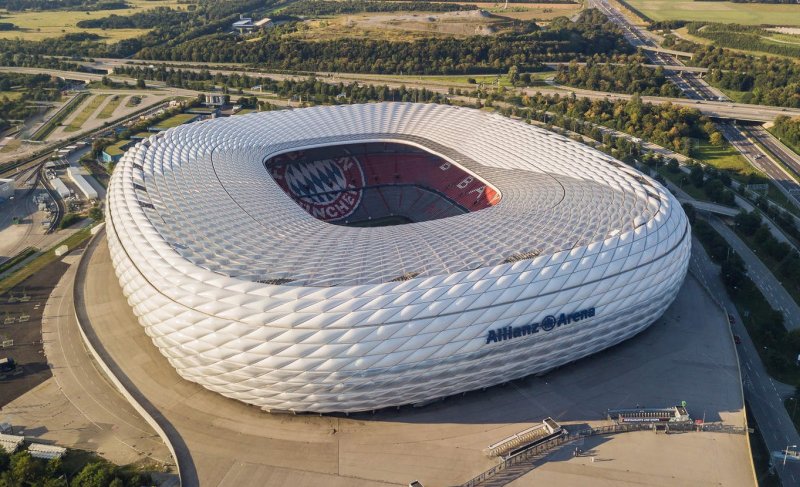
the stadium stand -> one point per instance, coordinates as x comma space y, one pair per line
368, 182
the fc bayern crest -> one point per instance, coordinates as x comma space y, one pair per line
328, 189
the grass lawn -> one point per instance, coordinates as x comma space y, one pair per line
529, 11
116, 149
88, 109
724, 12
795, 148
39, 262
38, 25
112, 105
724, 158
174, 121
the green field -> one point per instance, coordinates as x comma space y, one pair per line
85, 113
112, 105
174, 121
723, 158
724, 12
116, 149
38, 25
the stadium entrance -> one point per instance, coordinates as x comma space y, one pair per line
378, 184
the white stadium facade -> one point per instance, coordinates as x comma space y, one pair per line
351, 258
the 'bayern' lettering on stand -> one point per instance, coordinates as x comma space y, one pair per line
549, 323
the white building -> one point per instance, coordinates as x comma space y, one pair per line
82, 183
503, 250
59, 187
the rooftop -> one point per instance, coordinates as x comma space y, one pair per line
560, 200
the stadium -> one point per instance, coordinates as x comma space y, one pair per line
356, 257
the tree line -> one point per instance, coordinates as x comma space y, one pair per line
35, 87
19, 5
619, 78
788, 130
314, 8
746, 37
21, 469
562, 40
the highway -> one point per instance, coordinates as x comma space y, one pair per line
764, 395
786, 155
697, 89
765, 401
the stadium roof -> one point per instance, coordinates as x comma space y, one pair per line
204, 195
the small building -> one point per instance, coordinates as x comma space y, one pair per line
246, 25
83, 185
113, 153
205, 112
60, 187
214, 100
46, 452
10, 443
6, 189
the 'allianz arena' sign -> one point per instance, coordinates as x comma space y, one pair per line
548, 323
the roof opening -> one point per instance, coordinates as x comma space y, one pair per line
372, 184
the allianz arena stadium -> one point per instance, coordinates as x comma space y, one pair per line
351, 258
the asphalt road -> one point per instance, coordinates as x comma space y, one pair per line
763, 394
788, 156
767, 283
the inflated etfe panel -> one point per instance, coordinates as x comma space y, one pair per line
248, 294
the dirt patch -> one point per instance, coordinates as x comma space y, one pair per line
403, 26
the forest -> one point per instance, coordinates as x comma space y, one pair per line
562, 40
765, 80
19, 5
315, 8
618, 78
149, 19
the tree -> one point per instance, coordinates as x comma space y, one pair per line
98, 474
140, 84
513, 74
748, 222
96, 214
697, 175
716, 139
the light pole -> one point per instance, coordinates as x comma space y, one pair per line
786, 453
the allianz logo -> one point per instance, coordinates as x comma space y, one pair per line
549, 323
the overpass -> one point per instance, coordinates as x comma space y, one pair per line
666, 51
707, 207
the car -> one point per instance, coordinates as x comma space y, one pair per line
731, 319
737, 339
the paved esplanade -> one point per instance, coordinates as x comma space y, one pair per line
684, 356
